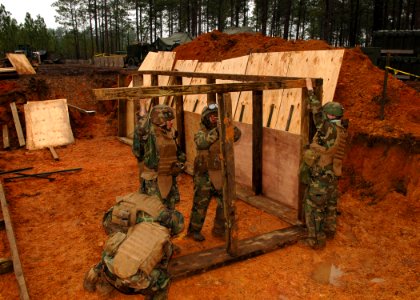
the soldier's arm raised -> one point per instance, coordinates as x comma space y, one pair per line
204, 140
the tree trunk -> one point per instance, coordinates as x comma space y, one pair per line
287, 13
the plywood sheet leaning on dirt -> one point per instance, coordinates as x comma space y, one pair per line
195, 103
21, 63
236, 65
324, 64
47, 124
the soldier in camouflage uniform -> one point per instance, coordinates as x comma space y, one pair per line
207, 174
160, 159
135, 259
321, 168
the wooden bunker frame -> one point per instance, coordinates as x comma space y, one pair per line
234, 250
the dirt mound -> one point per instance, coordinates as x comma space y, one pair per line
359, 86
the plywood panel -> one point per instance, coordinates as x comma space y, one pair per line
236, 65
196, 103
192, 125
281, 157
21, 63
186, 66
324, 64
47, 124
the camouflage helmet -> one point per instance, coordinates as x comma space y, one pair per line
207, 111
333, 108
171, 219
161, 113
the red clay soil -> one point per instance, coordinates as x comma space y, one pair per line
58, 224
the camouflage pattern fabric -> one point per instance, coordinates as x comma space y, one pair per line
156, 284
321, 196
146, 150
150, 187
169, 218
203, 192
203, 187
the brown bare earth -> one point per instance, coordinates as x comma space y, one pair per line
375, 254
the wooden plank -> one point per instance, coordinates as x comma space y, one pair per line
53, 153
180, 122
18, 126
21, 63
122, 117
125, 140
226, 137
47, 124
268, 205
23, 291
6, 142
149, 92
206, 260
257, 138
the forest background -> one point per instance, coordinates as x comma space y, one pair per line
90, 27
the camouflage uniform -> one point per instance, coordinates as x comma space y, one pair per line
151, 278
152, 281
320, 171
149, 139
207, 176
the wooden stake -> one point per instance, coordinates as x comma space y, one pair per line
6, 143
53, 153
17, 124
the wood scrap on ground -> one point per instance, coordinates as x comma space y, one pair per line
21, 63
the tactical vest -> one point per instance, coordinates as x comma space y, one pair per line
125, 211
214, 165
141, 250
333, 155
167, 158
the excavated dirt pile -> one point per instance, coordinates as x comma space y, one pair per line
57, 224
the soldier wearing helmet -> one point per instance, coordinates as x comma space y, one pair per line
321, 168
160, 159
207, 174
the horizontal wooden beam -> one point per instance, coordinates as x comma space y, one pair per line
178, 90
206, 260
237, 77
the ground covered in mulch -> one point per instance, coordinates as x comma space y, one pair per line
374, 255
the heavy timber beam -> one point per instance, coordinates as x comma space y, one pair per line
177, 90
237, 77
206, 260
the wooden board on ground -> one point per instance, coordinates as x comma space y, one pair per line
21, 63
18, 126
196, 263
47, 124
23, 290
196, 103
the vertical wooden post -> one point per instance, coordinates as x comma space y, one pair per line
179, 102
122, 114
211, 97
226, 136
257, 138
154, 82
6, 143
